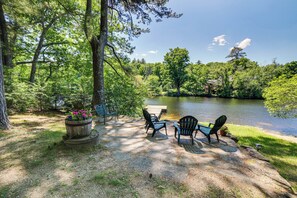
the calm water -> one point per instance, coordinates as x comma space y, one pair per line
242, 112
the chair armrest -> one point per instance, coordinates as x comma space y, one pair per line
200, 125
210, 124
160, 122
176, 125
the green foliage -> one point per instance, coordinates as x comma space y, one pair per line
176, 62
240, 78
25, 96
281, 97
246, 84
127, 94
291, 69
153, 84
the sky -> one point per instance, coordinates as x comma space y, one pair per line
208, 29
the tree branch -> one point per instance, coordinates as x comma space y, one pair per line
88, 14
112, 67
30, 62
117, 57
57, 43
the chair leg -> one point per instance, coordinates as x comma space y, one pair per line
166, 130
196, 133
147, 129
208, 137
153, 133
175, 132
178, 139
192, 139
217, 137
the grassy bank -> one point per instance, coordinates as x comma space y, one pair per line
281, 153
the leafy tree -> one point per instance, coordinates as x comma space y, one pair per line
291, 69
236, 53
198, 74
176, 61
98, 38
153, 84
281, 97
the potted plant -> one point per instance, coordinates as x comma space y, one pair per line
78, 124
224, 130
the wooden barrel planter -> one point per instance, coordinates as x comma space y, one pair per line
78, 129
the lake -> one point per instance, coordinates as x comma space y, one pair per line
241, 112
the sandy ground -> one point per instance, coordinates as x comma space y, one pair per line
136, 164
223, 165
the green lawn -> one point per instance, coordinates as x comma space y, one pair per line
281, 153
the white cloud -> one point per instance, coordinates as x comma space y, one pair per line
153, 51
144, 55
219, 40
244, 43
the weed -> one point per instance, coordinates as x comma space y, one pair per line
4, 191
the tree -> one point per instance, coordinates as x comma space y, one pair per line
290, 69
236, 53
176, 61
281, 97
7, 57
4, 121
99, 40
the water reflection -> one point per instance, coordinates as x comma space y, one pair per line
243, 112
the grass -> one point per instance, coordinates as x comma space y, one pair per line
118, 182
4, 191
166, 187
122, 181
216, 192
281, 153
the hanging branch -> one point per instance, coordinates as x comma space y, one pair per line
119, 60
112, 67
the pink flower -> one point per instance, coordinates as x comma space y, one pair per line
84, 115
90, 114
75, 113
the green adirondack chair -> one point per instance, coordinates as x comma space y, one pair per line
212, 128
185, 126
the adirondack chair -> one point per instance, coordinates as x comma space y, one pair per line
103, 111
154, 118
212, 128
185, 126
153, 122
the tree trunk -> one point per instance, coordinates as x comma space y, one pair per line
178, 91
98, 46
6, 53
96, 63
4, 121
38, 49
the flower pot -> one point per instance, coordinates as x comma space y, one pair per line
78, 129
223, 132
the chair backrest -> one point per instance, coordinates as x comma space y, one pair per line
100, 109
187, 125
147, 117
218, 123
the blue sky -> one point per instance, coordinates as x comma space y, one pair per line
209, 28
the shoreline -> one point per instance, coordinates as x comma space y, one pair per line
290, 138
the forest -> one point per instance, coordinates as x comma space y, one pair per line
52, 56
